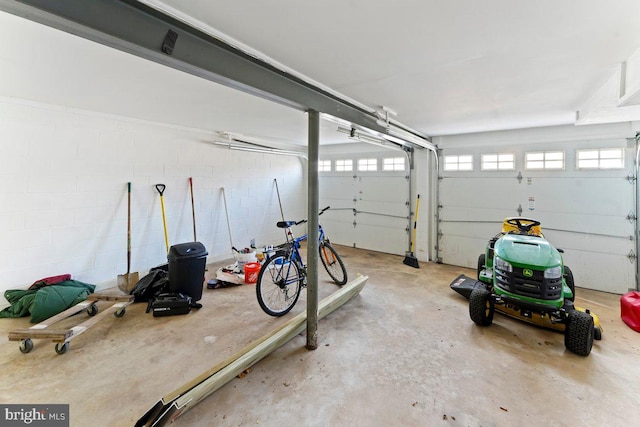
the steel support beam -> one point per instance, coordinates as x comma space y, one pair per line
312, 230
146, 32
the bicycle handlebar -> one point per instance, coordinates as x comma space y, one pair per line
302, 221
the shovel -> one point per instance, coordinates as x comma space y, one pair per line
127, 281
161, 188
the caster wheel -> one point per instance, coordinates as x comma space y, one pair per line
92, 310
120, 312
26, 345
61, 348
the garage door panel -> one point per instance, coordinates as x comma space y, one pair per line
483, 231
578, 242
379, 201
490, 192
381, 221
461, 250
572, 193
382, 239
336, 205
394, 208
601, 277
336, 214
383, 188
584, 223
476, 214
582, 211
337, 187
339, 232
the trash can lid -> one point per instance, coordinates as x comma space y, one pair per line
188, 250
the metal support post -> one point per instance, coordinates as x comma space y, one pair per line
312, 242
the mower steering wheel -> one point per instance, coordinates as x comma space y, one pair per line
519, 222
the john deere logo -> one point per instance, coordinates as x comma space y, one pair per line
527, 273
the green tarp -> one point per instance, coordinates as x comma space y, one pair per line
46, 301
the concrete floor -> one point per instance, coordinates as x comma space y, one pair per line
402, 353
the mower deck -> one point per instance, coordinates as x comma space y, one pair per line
465, 285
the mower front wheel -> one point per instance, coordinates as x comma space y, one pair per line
481, 307
579, 333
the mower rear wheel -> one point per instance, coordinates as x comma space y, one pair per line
481, 261
568, 278
481, 307
579, 333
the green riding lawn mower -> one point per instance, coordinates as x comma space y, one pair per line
523, 276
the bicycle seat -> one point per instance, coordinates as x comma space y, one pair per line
285, 224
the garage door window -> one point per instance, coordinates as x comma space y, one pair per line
324, 165
344, 165
393, 164
367, 165
604, 158
498, 161
544, 160
458, 163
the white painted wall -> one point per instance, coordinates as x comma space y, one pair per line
63, 199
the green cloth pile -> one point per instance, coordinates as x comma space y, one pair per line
44, 301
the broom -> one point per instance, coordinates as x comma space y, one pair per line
410, 259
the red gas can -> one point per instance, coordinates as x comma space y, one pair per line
630, 309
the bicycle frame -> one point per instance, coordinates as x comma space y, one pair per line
293, 253
284, 272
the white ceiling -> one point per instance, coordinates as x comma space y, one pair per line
446, 68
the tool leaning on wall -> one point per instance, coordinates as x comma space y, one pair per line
161, 188
127, 281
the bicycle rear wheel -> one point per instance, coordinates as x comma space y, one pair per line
279, 285
333, 263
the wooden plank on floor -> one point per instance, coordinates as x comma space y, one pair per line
184, 398
55, 335
110, 297
63, 315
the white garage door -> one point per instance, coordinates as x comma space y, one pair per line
369, 209
588, 212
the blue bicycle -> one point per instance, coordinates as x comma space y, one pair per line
284, 274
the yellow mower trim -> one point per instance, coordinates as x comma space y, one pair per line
543, 320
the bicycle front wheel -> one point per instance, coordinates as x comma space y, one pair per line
333, 263
279, 285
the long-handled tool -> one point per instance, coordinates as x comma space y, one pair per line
281, 211
193, 210
226, 211
410, 259
161, 188
127, 281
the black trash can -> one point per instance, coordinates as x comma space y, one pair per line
187, 263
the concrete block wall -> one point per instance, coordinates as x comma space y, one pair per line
63, 198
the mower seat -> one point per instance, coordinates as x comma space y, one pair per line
507, 227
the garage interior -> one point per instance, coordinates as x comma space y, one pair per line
485, 111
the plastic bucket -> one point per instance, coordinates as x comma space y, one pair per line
251, 272
244, 258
